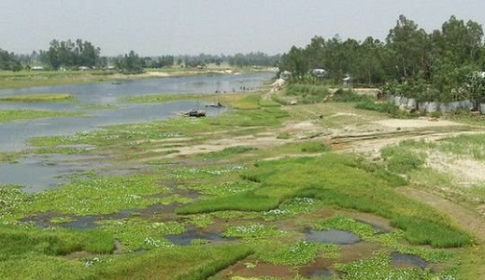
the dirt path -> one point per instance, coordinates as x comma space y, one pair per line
466, 218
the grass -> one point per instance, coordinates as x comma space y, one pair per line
227, 152
314, 147
190, 263
300, 253
308, 94
379, 268
93, 195
253, 231
14, 115
340, 180
346, 224
137, 234
44, 97
401, 160
424, 232
237, 191
19, 241
99, 195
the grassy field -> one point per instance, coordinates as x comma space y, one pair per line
13, 115
236, 196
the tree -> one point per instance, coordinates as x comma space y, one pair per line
130, 63
71, 55
9, 62
407, 41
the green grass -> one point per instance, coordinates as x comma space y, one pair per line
247, 201
14, 115
44, 97
227, 152
308, 94
300, 253
136, 234
401, 160
86, 196
338, 180
424, 232
192, 263
18, 241
253, 231
346, 224
379, 267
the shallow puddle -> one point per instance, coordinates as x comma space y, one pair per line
332, 236
193, 233
408, 261
320, 273
91, 221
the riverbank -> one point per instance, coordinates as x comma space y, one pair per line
262, 191
26, 79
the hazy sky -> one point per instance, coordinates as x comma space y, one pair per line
155, 27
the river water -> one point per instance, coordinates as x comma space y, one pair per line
36, 175
14, 134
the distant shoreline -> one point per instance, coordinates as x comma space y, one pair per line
26, 79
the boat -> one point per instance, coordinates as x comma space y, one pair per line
194, 113
215, 105
116, 83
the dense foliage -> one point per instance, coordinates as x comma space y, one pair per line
411, 62
9, 62
130, 63
71, 55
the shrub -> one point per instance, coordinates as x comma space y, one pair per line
401, 160
314, 147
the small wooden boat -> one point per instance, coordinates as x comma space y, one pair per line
194, 114
216, 105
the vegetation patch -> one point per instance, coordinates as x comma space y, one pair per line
314, 147
45, 97
99, 195
308, 93
14, 115
18, 241
380, 268
253, 231
401, 160
346, 224
424, 232
300, 253
137, 234
227, 152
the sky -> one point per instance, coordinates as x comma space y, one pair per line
177, 27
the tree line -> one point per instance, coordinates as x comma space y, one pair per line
72, 55
411, 62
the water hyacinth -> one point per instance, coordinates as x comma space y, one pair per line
100, 195
187, 173
298, 254
137, 234
380, 268
253, 231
